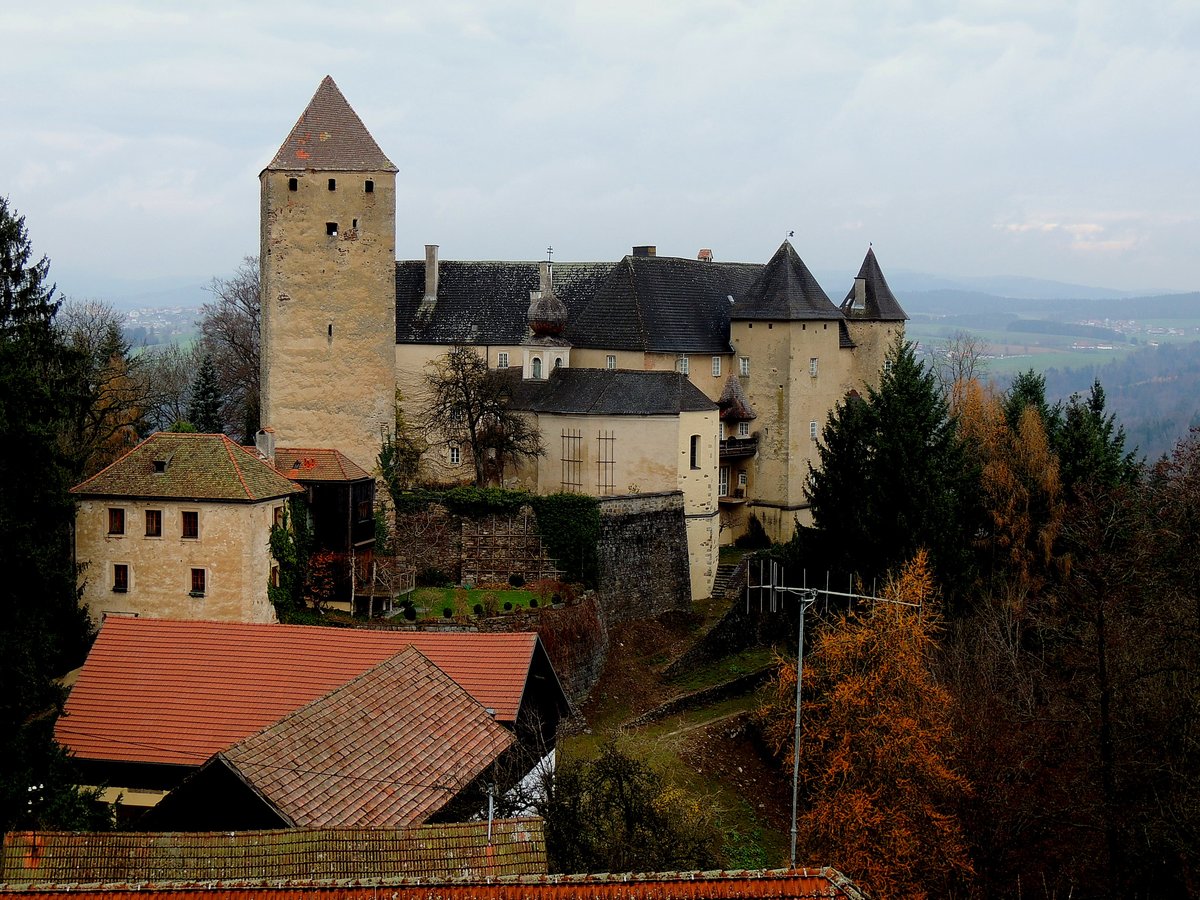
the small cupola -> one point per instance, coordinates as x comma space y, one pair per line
547, 314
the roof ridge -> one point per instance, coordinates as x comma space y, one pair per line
92, 478
236, 468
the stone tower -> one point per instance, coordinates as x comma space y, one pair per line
874, 317
788, 339
328, 256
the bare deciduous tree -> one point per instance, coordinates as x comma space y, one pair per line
229, 331
959, 361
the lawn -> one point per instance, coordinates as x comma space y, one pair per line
430, 601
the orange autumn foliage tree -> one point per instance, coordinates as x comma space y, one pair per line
879, 790
1020, 488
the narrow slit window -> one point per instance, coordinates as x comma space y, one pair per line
330, 329
695, 454
293, 184
354, 223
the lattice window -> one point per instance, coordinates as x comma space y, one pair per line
572, 439
606, 462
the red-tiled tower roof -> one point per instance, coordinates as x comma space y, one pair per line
330, 136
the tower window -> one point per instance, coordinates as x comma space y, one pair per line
716, 366
369, 187
331, 329
681, 365
293, 184
333, 184
812, 367
744, 365
354, 224
695, 454
331, 229
812, 431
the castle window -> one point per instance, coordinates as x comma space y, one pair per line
116, 521
682, 365
723, 481
812, 430
277, 516
154, 523
369, 187
120, 578
557, 361
455, 455
812, 367
695, 451
354, 224
333, 184
502, 360
293, 184
610, 361
190, 525
744, 365
331, 229
199, 582
535, 367
330, 329
716, 367
743, 429
742, 478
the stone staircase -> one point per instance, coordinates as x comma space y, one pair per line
724, 579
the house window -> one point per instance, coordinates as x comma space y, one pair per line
716, 368
455, 455
116, 521
369, 187
742, 478
743, 365
695, 451
812, 430
191, 525
502, 360
277, 516
535, 367
682, 365
812, 367
199, 582
723, 482
120, 578
610, 361
743, 429
154, 523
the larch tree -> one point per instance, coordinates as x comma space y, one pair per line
879, 784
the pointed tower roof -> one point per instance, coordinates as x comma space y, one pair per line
330, 136
875, 299
785, 290
734, 405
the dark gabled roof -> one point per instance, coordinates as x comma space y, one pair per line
607, 392
385, 750
173, 466
452, 850
663, 304
785, 291
880, 303
734, 405
482, 302
329, 136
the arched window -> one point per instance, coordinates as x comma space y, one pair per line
695, 451
557, 361
535, 367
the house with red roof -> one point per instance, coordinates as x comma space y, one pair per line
179, 527
157, 699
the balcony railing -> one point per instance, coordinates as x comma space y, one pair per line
739, 448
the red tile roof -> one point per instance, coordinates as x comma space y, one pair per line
455, 850
777, 884
387, 749
317, 464
188, 467
163, 691
329, 135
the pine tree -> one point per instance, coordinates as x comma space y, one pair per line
45, 632
1091, 445
204, 411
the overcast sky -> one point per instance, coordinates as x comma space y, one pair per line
997, 137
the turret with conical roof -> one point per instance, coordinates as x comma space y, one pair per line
328, 256
874, 317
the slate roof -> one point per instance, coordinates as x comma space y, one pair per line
663, 304
387, 749
317, 464
785, 291
452, 850
484, 302
734, 405
329, 135
609, 392
197, 467
881, 304
801, 883
172, 692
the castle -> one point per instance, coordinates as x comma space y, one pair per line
651, 374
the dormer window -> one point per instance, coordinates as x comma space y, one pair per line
160, 466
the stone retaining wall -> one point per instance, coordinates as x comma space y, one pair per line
642, 556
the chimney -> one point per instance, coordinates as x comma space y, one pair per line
645, 250
264, 443
431, 272
704, 255
860, 293
545, 278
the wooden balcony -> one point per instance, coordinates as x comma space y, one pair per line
738, 448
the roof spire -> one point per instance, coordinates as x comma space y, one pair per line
330, 136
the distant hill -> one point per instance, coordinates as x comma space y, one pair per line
959, 304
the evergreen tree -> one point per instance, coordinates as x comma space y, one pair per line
893, 477
205, 409
45, 632
1091, 445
